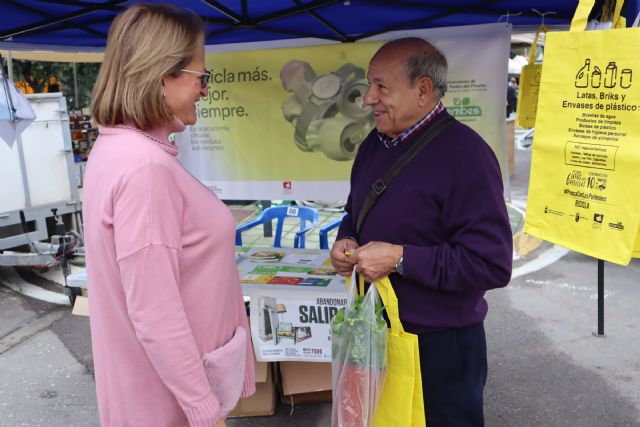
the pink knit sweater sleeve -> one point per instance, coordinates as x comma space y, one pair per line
147, 219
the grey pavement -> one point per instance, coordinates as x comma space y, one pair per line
545, 366
44, 385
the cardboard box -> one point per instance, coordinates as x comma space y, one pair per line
305, 382
81, 306
263, 402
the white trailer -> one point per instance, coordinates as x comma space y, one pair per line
39, 196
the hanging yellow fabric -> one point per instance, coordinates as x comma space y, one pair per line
401, 403
529, 87
584, 191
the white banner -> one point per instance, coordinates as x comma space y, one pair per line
270, 129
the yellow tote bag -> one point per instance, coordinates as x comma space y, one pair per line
401, 403
583, 191
529, 87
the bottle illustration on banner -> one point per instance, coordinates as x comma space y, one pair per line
611, 75
596, 77
588, 77
582, 78
625, 78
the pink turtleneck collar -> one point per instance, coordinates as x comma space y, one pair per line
158, 135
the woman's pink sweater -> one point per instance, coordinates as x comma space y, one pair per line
163, 283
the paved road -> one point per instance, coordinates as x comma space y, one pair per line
546, 367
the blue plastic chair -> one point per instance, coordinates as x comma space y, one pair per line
308, 219
324, 232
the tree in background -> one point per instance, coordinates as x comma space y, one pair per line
42, 77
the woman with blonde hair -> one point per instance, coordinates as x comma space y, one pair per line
169, 328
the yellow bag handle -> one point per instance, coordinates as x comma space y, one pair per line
616, 20
532, 54
581, 17
619, 21
390, 301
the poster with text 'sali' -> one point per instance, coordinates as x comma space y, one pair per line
294, 325
584, 192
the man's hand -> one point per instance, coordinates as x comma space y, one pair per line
376, 259
341, 256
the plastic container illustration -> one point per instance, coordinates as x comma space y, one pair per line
596, 77
625, 78
611, 75
582, 78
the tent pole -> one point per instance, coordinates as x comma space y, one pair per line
10, 65
600, 332
267, 230
75, 84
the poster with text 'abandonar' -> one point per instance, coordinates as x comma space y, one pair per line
286, 123
584, 191
294, 325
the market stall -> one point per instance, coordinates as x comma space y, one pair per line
235, 25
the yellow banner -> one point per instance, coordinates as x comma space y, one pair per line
283, 109
529, 87
528, 95
584, 191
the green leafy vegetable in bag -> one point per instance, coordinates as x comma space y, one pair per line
366, 333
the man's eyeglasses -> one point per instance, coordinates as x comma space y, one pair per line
204, 76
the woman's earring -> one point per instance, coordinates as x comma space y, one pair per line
164, 94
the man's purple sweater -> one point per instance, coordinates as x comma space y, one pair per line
446, 207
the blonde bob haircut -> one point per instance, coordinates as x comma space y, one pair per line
145, 43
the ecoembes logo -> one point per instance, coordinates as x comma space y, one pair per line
462, 108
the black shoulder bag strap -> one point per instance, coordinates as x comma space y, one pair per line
380, 185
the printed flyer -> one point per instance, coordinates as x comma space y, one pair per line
293, 325
584, 191
293, 296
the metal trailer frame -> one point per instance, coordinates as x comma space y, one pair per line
12, 222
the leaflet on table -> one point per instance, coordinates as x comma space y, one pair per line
294, 326
312, 257
286, 267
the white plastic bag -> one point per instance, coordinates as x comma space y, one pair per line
359, 358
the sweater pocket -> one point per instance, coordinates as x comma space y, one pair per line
225, 368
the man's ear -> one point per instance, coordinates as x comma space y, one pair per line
424, 86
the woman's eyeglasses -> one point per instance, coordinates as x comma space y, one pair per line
204, 76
